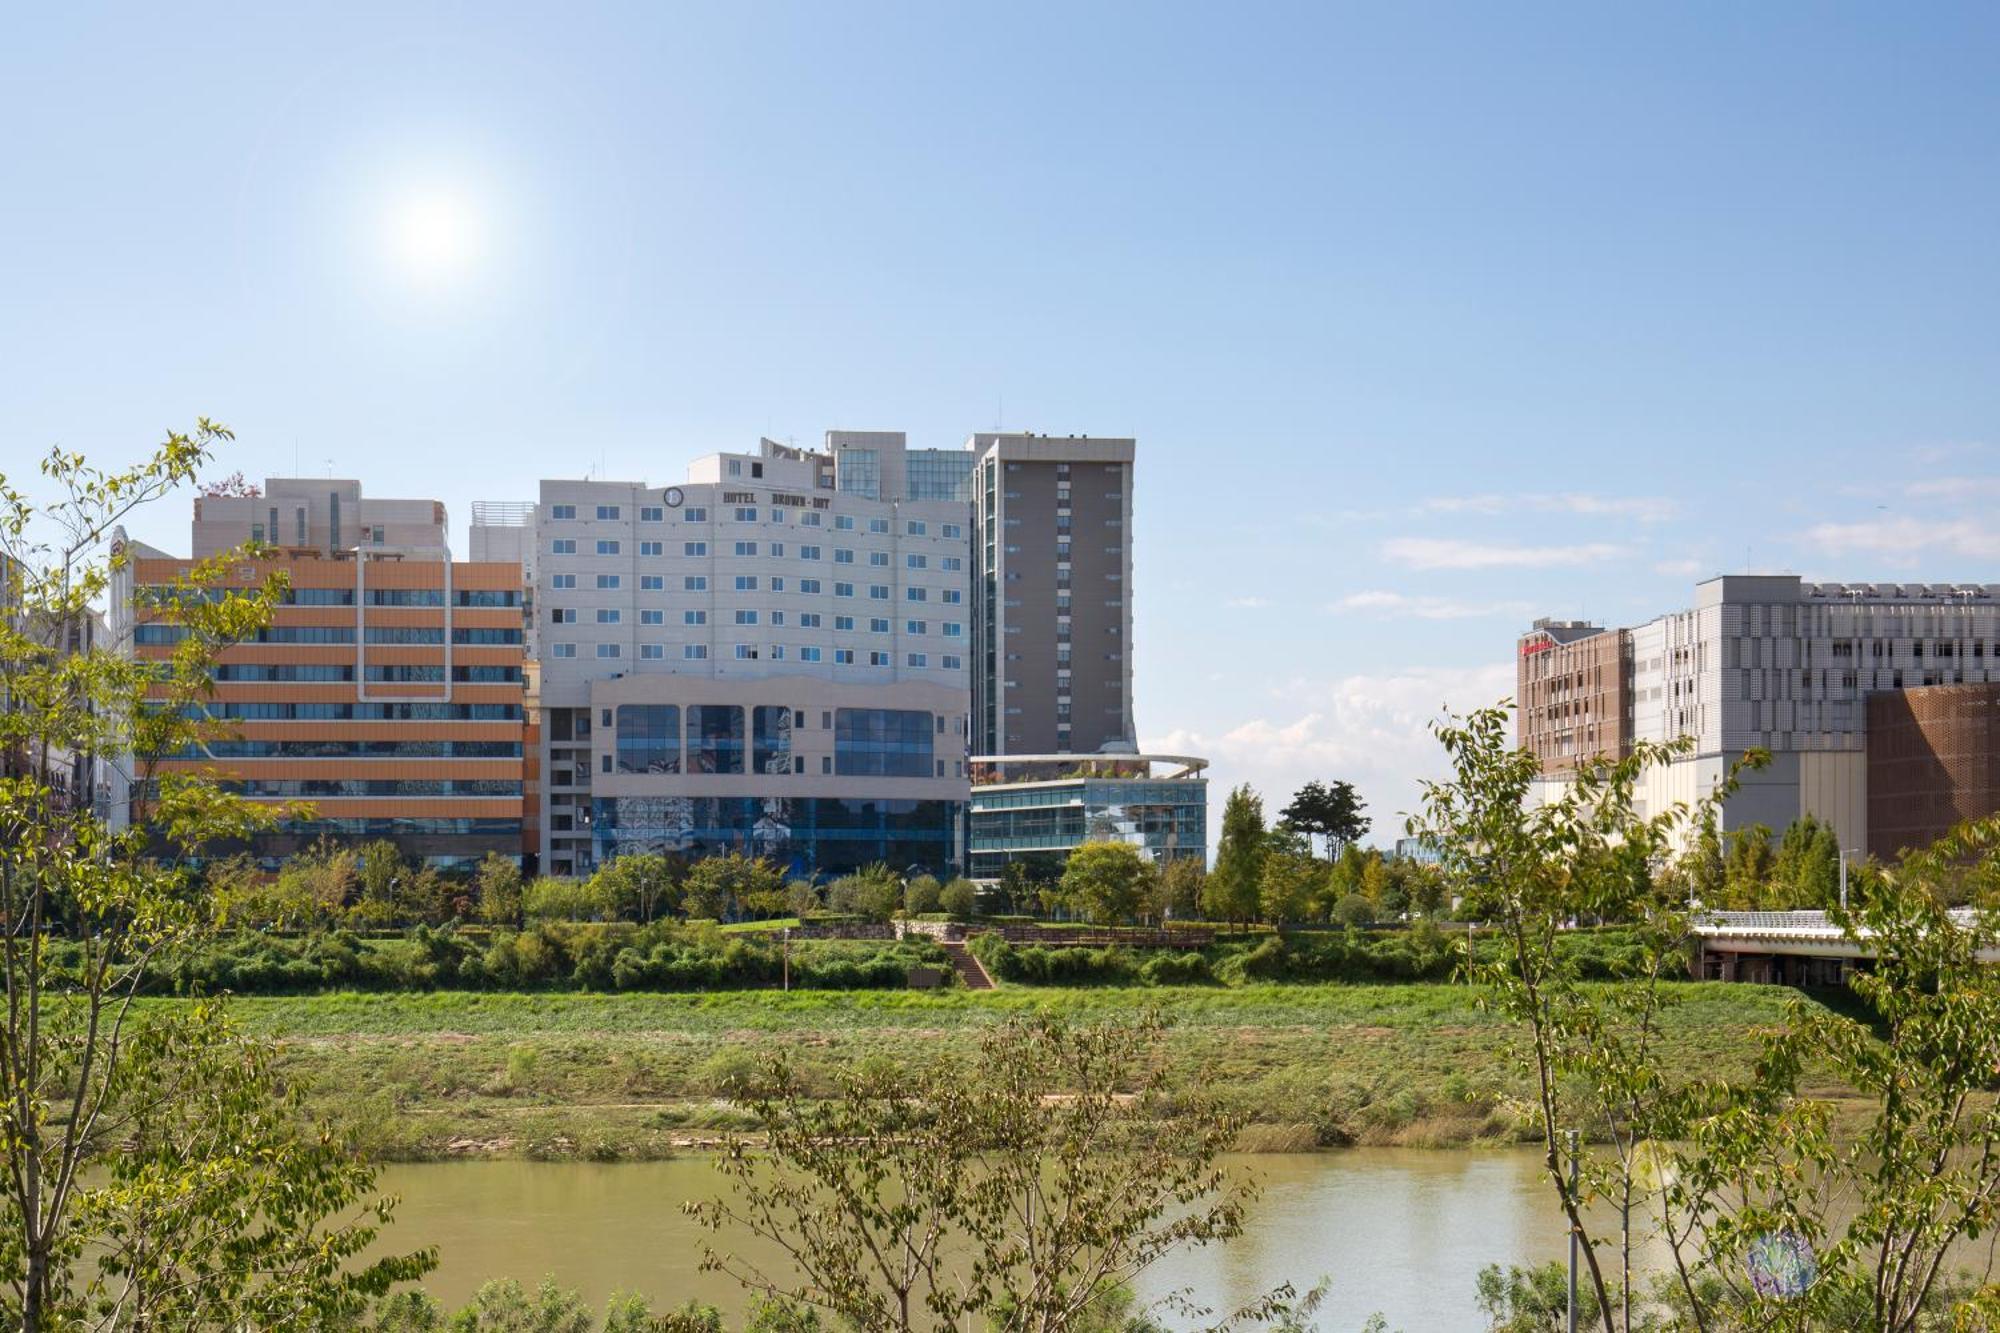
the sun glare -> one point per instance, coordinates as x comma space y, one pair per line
437, 237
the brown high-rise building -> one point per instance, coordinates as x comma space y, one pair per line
1574, 693
387, 691
1933, 762
1052, 594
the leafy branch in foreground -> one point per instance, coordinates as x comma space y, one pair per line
112, 1212
1020, 1187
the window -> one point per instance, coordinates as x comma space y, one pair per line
607, 580
879, 625
951, 563
916, 627
808, 620
879, 559
746, 653
746, 583
808, 654
951, 663
809, 553
777, 516
698, 514
809, 585
878, 659
694, 617
649, 738
951, 595
953, 630
562, 581
843, 523
916, 562
562, 511
843, 656
652, 548
916, 594
562, 650
778, 583
694, 652
777, 617
809, 519
562, 615
563, 546
653, 617
609, 513
770, 738
878, 592
607, 650
735, 467
694, 548
746, 617
607, 615
695, 583
746, 548
778, 550
843, 590
843, 622
952, 530
652, 652
607, 546
842, 557
745, 515
652, 514
883, 742
917, 660
916, 528
878, 525
652, 583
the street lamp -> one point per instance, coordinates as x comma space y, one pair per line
1843, 874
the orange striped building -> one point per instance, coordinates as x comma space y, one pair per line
388, 691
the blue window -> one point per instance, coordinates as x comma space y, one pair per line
714, 738
649, 738
771, 739
883, 742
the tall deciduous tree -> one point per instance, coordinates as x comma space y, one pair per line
86, 1235
1331, 810
1233, 890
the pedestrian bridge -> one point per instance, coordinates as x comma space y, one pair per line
1784, 948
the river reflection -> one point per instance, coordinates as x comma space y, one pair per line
1399, 1231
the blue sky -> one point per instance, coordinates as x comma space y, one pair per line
1429, 319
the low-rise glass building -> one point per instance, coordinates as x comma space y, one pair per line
1039, 806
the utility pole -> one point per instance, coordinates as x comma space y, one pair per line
786, 933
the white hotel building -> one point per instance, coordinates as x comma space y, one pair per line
770, 657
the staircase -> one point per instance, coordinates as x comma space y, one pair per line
968, 968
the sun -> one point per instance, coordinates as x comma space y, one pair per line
436, 236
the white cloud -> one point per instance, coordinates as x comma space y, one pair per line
1372, 730
1952, 488
1425, 608
1678, 568
1905, 537
1644, 508
1451, 553
1930, 455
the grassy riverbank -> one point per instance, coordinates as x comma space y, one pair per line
419, 1076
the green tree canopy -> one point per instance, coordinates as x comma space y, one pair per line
1108, 881
1234, 888
1330, 810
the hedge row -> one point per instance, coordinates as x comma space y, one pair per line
552, 956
